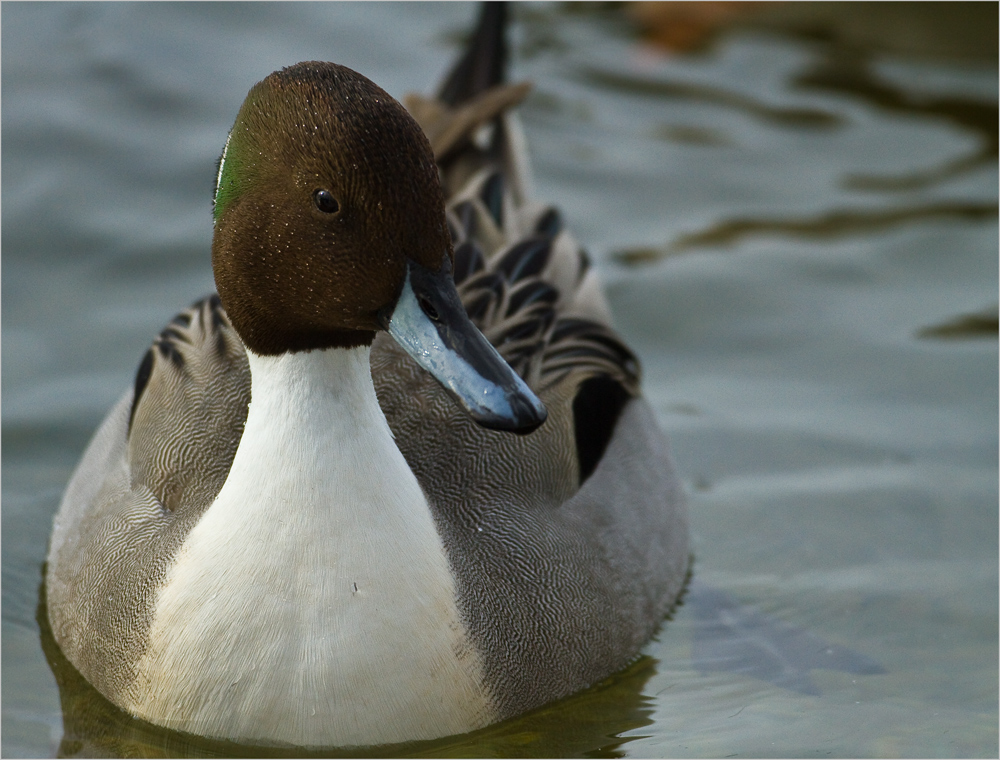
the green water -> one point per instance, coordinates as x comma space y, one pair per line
797, 227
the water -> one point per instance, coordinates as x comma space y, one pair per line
799, 238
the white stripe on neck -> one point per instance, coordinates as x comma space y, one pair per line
313, 602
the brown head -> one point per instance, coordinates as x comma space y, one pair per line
325, 188
330, 225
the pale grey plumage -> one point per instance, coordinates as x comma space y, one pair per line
151, 470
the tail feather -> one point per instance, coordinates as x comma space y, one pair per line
484, 63
470, 122
523, 278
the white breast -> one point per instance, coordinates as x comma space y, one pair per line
313, 602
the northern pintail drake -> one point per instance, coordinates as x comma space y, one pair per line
330, 511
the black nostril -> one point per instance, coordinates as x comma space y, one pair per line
429, 310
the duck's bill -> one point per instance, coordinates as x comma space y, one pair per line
430, 323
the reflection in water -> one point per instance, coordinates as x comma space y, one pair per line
727, 636
690, 135
731, 637
586, 724
983, 324
826, 226
842, 69
798, 118
848, 71
680, 26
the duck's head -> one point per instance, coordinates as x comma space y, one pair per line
330, 226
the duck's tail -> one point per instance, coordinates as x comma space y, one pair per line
524, 280
470, 122
484, 63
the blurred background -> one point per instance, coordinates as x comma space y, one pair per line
794, 208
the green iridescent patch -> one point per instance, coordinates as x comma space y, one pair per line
226, 185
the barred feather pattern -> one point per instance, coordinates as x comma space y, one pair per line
525, 283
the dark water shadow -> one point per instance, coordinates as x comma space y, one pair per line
727, 636
731, 637
588, 724
848, 70
828, 226
982, 324
796, 118
845, 69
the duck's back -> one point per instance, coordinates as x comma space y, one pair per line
568, 545
560, 584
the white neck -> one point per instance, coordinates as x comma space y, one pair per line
313, 602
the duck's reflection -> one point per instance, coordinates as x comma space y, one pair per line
731, 637
726, 636
851, 71
588, 723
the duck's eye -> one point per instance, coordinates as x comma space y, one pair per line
325, 201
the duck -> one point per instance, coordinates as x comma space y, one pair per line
396, 480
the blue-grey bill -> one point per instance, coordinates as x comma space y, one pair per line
431, 325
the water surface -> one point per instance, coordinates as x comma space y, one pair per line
798, 233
